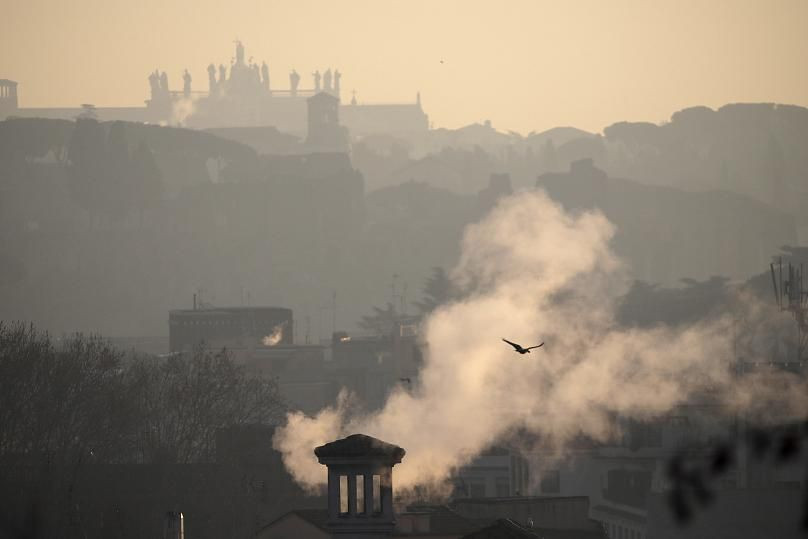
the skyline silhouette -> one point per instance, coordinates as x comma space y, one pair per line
526, 66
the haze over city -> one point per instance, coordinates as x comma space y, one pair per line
524, 65
364, 270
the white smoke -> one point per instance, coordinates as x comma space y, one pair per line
533, 273
275, 336
181, 110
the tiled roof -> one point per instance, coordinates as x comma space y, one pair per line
503, 528
316, 517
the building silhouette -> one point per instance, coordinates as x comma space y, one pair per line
8, 97
240, 96
325, 134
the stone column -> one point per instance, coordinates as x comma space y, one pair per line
333, 494
368, 493
352, 494
387, 492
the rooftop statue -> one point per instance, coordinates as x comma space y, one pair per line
265, 74
327, 80
316, 81
154, 83
211, 79
239, 53
186, 84
294, 80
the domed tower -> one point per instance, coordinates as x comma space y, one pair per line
360, 486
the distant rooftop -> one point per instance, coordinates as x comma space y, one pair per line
210, 310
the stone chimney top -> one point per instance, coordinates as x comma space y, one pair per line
359, 446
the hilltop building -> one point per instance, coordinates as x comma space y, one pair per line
241, 96
325, 134
8, 97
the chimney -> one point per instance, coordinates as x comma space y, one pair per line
360, 486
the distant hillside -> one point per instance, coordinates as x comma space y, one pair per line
559, 136
182, 155
668, 234
760, 150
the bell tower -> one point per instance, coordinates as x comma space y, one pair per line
360, 486
325, 134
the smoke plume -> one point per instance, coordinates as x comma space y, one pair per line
532, 272
181, 110
275, 337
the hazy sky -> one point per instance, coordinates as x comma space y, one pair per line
525, 65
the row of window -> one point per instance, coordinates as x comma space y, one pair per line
621, 532
212, 322
360, 509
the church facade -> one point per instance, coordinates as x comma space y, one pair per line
242, 95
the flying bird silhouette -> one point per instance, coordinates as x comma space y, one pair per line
520, 349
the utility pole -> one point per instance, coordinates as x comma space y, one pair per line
334, 312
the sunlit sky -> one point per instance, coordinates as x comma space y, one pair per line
524, 65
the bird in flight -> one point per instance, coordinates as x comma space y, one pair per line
520, 349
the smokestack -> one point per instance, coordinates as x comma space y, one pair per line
194, 301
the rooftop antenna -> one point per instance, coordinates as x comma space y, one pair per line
402, 298
791, 296
334, 312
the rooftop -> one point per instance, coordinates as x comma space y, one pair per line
359, 445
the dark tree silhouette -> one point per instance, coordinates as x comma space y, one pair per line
437, 291
70, 405
382, 321
692, 478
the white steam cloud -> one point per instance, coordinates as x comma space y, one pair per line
181, 110
534, 273
275, 336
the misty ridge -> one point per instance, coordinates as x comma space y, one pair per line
108, 225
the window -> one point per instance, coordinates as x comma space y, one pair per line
343, 495
476, 487
551, 482
502, 485
360, 494
377, 494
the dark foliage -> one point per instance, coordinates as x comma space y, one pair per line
691, 477
73, 407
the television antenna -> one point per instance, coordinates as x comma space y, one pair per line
791, 296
